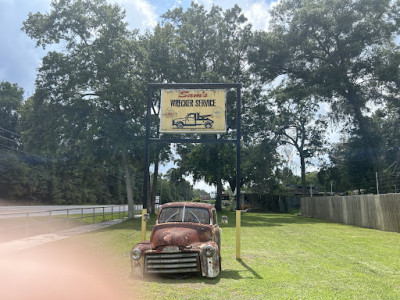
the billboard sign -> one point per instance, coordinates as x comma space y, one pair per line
193, 111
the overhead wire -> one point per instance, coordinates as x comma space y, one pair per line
8, 139
14, 133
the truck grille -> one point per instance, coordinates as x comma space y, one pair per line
182, 262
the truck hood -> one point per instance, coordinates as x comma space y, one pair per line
180, 234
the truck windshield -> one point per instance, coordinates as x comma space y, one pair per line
184, 214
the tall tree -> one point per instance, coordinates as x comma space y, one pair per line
158, 61
92, 82
291, 115
338, 49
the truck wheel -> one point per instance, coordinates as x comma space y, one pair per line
208, 125
179, 125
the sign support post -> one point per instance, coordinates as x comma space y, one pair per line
238, 174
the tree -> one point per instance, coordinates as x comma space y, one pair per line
11, 97
259, 162
290, 116
12, 169
158, 61
343, 51
347, 168
207, 162
92, 84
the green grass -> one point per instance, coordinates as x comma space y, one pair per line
283, 257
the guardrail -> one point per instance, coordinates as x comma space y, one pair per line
23, 224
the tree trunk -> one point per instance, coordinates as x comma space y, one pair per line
303, 174
128, 183
232, 184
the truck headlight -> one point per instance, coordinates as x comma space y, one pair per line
136, 254
209, 251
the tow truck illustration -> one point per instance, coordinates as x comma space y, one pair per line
193, 120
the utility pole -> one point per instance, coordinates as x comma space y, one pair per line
377, 183
331, 189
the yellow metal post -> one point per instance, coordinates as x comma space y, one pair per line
238, 221
144, 211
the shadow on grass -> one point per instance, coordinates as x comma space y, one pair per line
192, 278
180, 278
255, 274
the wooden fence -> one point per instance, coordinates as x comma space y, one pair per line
371, 211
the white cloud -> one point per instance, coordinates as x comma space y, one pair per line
257, 14
140, 14
256, 11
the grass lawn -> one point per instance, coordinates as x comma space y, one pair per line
283, 257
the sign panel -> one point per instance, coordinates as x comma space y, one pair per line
193, 111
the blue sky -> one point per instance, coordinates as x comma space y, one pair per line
19, 58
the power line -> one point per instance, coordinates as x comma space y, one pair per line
14, 149
14, 133
6, 138
11, 148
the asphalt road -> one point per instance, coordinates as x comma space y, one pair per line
42, 210
37, 240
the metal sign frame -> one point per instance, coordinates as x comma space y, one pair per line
210, 86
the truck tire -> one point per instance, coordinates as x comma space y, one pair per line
179, 125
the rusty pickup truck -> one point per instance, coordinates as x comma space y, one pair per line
185, 239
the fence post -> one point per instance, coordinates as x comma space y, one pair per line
345, 212
93, 215
112, 213
103, 214
67, 218
379, 214
81, 216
